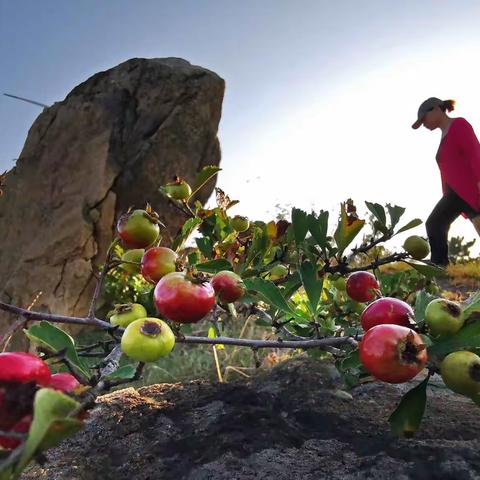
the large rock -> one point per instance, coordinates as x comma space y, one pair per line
295, 423
110, 144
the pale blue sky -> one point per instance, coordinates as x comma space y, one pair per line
320, 95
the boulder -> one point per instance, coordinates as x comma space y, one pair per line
109, 145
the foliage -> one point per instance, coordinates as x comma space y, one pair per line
293, 272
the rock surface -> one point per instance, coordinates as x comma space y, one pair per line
110, 144
295, 422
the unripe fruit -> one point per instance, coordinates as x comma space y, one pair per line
461, 372
178, 189
240, 224
228, 286
182, 300
147, 340
126, 313
134, 255
65, 382
277, 272
362, 286
417, 247
339, 283
386, 310
157, 262
444, 317
23, 367
138, 229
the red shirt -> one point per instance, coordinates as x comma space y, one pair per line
458, 158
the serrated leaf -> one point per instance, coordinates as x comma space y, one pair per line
318, 227
205, 174
187, 229
378, 211
51, 423
299, 224
395, 213
293, 283
311, 284
471, 304
406, 418
421, 301
54, 339
467, 337
258, 246
429, 271
348, 228
270, 293
205, 245
214, 266
412, 224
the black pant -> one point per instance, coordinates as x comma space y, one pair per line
438, 223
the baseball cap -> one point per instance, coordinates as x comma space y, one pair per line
426, 106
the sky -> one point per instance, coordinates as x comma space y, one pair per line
320, 96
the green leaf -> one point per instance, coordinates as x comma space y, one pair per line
429, 271
471, 304
406, 418
421, 301
205, 174
412, 224
348, 228
123, 373
318, 227
52, 338
293, 283
258, 246
51, 423
299, 224
395, 213
313, 286
214, 266
270, 293
467, 337
188, 228
205, 245
378, 211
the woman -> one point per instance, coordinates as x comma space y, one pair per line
458, 158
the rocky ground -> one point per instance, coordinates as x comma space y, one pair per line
293, 422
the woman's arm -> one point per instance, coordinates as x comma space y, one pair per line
470, 148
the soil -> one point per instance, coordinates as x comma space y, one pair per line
295, 421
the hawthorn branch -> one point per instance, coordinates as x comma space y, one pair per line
304, 344
98, 286
31, 315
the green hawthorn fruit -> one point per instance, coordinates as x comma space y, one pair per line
134, 255
126, 313
178, 189
240, 224
147, 340
277, 272
138, 229
444, 317
461, 373
417, 247
340, 283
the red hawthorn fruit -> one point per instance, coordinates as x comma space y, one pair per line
228, 286
157, 262
386, 310
63, 381
392, 353
182, 300
362, 286
21, 367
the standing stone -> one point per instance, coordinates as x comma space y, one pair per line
109, 145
